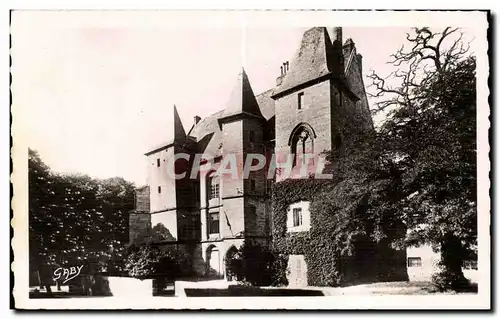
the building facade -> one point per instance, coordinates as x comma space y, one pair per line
209, 214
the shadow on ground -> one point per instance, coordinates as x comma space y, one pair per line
249, 291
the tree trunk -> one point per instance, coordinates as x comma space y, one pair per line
451, 275
39, 279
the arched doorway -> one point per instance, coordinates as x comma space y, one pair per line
231, 253
213, 261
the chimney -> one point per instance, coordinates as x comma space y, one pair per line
336, 35
196, 119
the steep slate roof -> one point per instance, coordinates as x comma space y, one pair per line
312, 60
208, 133
266, 104
316, 57
178, 136
179, 133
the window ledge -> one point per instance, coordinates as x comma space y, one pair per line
298, 229
214, 236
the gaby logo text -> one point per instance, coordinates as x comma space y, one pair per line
67, 273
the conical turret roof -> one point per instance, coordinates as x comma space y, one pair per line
242, 100
177, 134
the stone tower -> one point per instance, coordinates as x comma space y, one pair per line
173, 201
311, 99
243, 127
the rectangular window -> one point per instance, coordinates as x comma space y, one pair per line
414, 262
158, 162
470, 264
214, 191
213, 223
159, 189
300, 100
297, 217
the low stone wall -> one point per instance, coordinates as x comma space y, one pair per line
180, 286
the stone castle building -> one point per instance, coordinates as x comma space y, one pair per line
209, 216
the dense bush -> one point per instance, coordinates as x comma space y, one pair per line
147, 261
256, 264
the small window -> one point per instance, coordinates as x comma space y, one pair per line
252, 136
297, 217
214, 191
414, 262
158, 162
300, 100
213, 223
213, 187
159, 189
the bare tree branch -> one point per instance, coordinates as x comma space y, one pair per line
427, 58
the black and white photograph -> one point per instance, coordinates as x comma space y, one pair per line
272, 159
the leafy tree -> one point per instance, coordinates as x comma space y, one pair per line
75, 219
429, 137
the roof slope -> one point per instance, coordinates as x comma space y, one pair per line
178, 134
312, 60
242, 100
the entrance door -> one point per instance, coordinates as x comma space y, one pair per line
298, 271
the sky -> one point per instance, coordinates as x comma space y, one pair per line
96, 90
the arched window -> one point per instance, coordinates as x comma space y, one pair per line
301, 142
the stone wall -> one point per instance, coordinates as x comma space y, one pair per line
142, 203
163, 190
316, 111
139, 226
429, 265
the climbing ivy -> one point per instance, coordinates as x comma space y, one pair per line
347, 241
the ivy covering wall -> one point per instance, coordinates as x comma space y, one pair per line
347, 243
